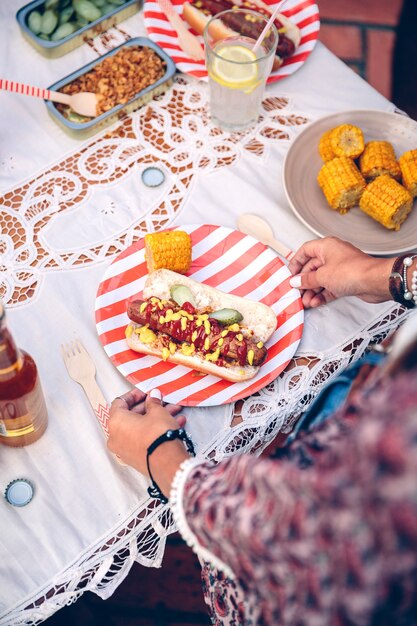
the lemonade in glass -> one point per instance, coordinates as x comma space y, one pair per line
237, 74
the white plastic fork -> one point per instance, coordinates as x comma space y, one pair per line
188, 42
82, 369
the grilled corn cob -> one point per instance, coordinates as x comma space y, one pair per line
386, 201
325, 149
408, 165
342, 183
169, 249
347, 140
379, 158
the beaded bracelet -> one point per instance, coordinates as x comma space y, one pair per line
398, 285
414, 287
170, 435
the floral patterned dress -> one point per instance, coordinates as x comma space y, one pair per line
325, 535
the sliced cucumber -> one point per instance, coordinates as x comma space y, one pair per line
227, 316
181, 294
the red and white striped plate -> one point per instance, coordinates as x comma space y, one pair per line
304, 13
223, 258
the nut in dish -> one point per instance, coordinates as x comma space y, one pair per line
117, 79
128, 90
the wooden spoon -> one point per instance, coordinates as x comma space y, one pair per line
84, 103
260, 229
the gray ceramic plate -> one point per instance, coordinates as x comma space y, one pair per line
303, 163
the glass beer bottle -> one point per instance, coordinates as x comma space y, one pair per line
23, 413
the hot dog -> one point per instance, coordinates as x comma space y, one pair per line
199, 12
186, 334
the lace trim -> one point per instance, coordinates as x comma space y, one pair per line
276, 408
176, 502
41, 226
139, 537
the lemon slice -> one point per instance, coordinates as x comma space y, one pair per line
234, 67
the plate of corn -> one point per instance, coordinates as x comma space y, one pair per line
353, 175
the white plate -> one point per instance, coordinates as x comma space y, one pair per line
304, 13
303, 163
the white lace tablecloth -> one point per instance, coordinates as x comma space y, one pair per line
67, 208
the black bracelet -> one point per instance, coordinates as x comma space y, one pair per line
170, 435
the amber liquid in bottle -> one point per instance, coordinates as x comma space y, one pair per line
23, 413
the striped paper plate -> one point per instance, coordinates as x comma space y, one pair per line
304, 13
223, 258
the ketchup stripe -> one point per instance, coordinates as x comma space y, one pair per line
211, 384
286, 354
289, 334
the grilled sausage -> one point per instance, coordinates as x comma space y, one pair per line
207, 336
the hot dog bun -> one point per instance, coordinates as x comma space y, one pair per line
198, 20
257, 317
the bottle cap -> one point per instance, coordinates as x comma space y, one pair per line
153, 177
19, 492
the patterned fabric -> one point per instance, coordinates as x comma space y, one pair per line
326, 534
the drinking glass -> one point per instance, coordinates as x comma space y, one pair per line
237, 75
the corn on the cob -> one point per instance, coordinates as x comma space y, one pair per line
325, 149
386, 201
347, 140
342, 183
379, 158
170, 250
408, 165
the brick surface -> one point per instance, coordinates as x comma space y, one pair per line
369, 11
380, 47
344, 41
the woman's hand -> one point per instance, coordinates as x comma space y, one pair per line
329, 268
136, 420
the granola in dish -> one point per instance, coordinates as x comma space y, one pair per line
118, 78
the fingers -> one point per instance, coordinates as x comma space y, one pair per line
181, 421
308, 250
129, 399
154, 398
154, 402
311, 299
307, 280
135, 402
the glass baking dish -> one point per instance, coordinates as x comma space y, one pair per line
115, 12
86, 127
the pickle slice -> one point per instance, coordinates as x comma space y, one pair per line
226, 317
181, 294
